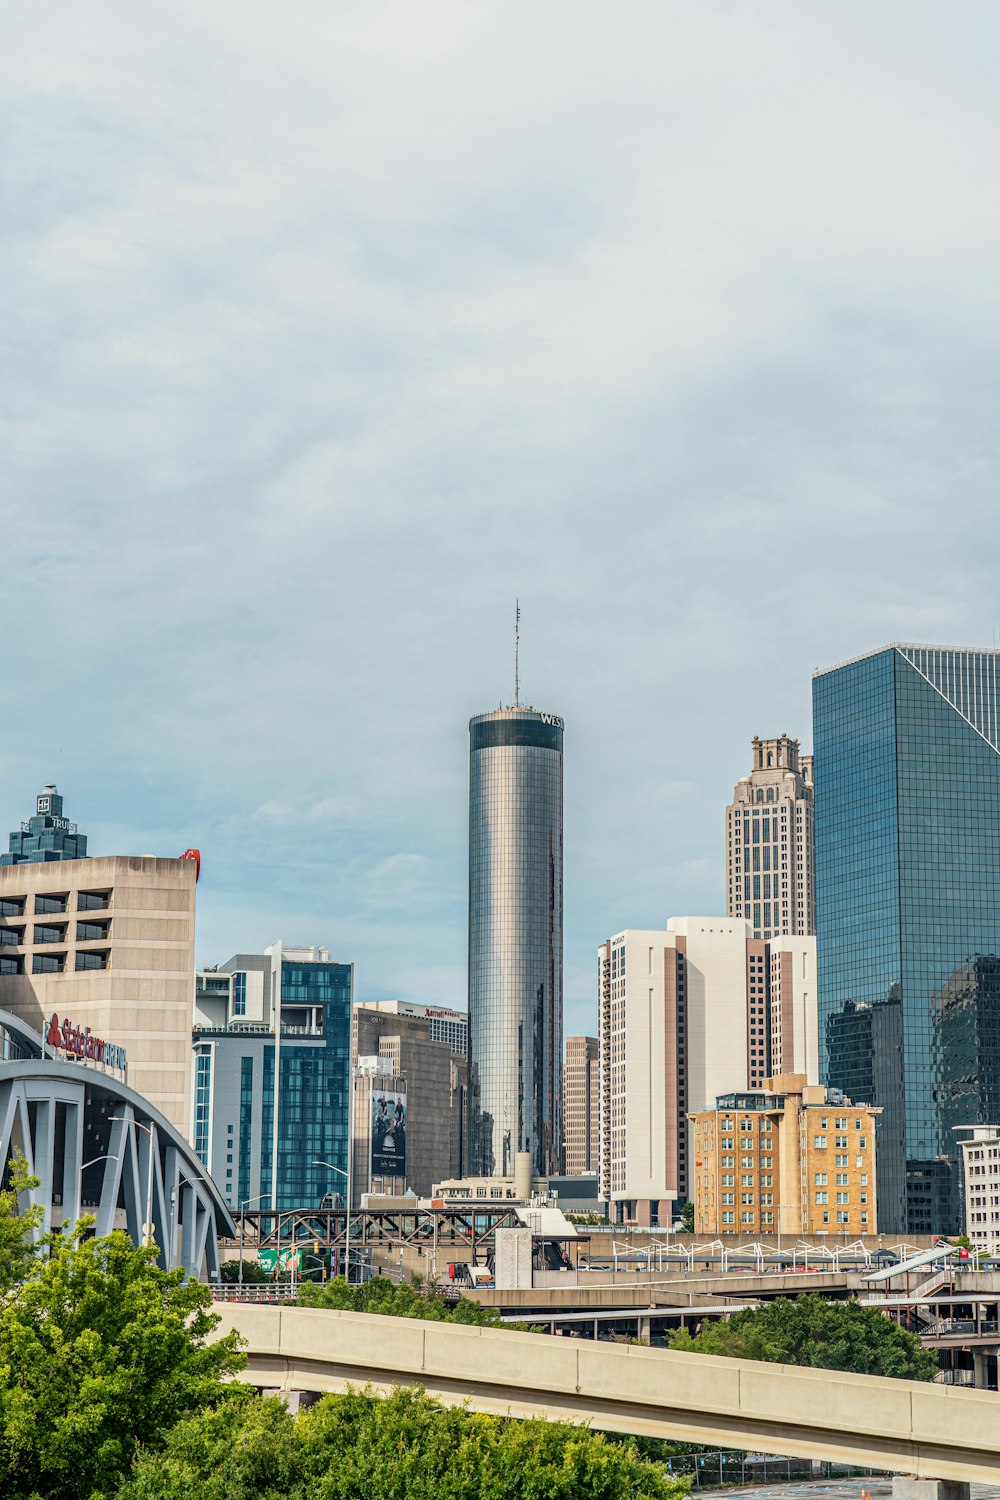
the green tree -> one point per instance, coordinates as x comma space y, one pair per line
100, 1352
253, 1273
20, 1242
687, 1218
243, 1449
408, 1299
401, 1447
809, 1331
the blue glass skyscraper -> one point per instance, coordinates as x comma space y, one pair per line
286, 1011
515, 940
907, 776
46, 837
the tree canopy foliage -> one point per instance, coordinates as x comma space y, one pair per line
100, 1352
402, 1447
409, 1299
811, 1331
251, 1273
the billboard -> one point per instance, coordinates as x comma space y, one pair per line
388, 1131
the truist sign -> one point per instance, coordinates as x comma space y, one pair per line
82, 1043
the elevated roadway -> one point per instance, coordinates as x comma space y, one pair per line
929, 1431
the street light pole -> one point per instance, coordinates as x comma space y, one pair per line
147, 1228
347, 1231
243, 1204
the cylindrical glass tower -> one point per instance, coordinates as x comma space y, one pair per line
515, 940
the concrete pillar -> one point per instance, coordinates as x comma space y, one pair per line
294, 1400
979, 1369
522, 1176
905, 1487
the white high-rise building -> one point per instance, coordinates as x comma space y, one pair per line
686, 1014
981, 1182
770, 864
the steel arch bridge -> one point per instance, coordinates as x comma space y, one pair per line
96, 1146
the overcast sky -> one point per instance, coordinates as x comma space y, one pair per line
329, 329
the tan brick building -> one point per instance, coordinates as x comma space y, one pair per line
107, 944
788, 1159
581, 1104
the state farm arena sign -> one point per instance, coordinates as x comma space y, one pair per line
81, 1042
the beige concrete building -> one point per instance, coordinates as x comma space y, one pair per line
581, 1104
107, 944
981, 1185
686, 1014
444, 1025
788, 1159
770, 862
435, 1079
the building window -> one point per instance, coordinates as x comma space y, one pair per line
11, 937
819, 1142
12, 906
202, 1103
239, 994
93, 900
91, 932
92, 958
48, 963
822, 1198
49, 934
821, 1179
47, 904
10, 965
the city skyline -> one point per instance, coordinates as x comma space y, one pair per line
708, 869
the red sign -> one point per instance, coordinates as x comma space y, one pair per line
76, 1043
194, 854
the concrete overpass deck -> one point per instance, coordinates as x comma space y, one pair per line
929, 1431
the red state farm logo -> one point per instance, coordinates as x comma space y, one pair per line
71, 1039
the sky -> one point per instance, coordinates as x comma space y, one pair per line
330, 330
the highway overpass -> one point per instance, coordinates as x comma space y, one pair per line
907, 1427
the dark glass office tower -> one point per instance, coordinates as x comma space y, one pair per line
907, 776
515, 940
47, 837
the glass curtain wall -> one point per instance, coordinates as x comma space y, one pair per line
907, 777
515, 940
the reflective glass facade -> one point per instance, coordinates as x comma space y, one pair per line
907, 775
234, 1085
47, 837
515, 940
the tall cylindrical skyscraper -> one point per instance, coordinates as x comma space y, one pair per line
515, 940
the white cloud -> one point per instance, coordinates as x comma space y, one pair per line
326, 337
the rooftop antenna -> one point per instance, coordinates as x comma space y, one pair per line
517, 654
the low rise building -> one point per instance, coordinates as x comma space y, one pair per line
791, 1158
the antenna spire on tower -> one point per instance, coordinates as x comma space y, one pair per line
517, 654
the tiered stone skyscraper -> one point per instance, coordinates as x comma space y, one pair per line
770, 863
